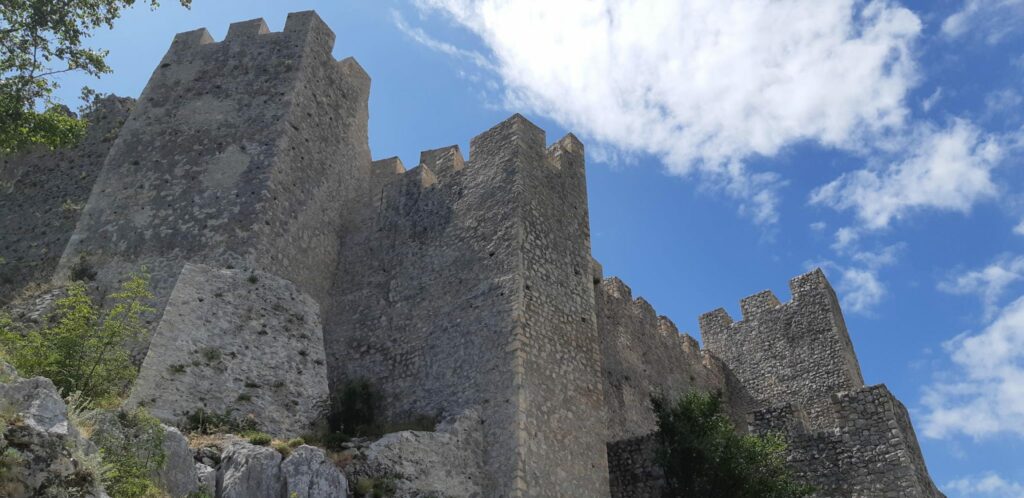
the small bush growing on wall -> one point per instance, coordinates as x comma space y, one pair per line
703, 455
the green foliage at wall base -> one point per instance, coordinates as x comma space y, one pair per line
702, 454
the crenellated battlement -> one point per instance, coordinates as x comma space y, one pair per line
444, 161
811, 287
306, 27
798, 351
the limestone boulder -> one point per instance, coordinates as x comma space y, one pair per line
444, 463
308, 473
244, 344
178, 476
40, 447
207, 478
250, 471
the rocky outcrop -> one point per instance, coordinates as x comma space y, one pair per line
41, 452
445, 463
308, 473
250, 471
178, 477
207, 479
243, 344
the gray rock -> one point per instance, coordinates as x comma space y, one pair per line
249, 471
243, 343
440, 464
48, 452
309, 474
207, 478
178, 476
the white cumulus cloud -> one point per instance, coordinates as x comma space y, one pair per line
987, 484
946, 169
704, 85
984, 396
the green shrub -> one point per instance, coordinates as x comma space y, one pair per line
283, 448
374, 488
82, 349
703, 455
260, 438
296, 442
335, 441
204, 422
131, 454
354, 410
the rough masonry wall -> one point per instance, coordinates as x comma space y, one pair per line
470, 286
240, 153
797, 352
248, 345
633, 471
872, 451
560, 420
645, 355
42, 194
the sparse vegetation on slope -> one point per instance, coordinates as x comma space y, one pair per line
81, 348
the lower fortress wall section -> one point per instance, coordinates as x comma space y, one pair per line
470, 286
797, 352
241, 153
42, 194
645, 355
872, 451
633, 468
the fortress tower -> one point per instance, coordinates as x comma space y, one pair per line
239, 153
472, 288
798, 352
461, 288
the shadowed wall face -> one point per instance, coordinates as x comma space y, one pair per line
42, 194
471, 286
796, 352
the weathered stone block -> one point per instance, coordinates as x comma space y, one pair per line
246, 344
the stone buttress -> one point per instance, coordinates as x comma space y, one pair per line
241, 153
471, 286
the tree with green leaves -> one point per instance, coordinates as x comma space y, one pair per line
81, 349
39, 40
703, 455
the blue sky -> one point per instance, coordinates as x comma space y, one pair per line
734, 145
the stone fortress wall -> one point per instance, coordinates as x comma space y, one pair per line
37, 213
456, 286
469, 286
645, 355
241, 153
798, 352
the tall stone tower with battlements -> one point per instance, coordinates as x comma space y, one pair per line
242, 180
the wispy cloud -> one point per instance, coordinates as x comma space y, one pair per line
992, 20
705, 86
989, 283
421, 37
859, 286
987, 484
